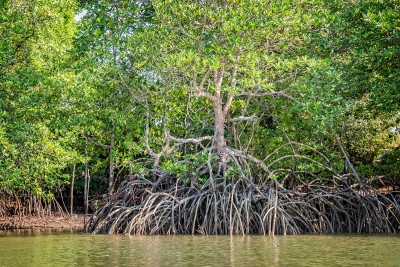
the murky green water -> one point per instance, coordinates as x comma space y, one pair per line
64, 249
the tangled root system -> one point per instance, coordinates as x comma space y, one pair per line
243, 207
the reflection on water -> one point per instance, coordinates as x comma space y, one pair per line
72, 249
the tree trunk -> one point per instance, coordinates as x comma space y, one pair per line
72, 192
219, 128
86, 190
112, 167
219, 121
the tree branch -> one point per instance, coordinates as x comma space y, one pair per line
241, 154
200, 89
243, 118
228, 104
348, 161
189, 140
233, 84
146, 137
279, 93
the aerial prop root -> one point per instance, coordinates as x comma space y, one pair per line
243, 207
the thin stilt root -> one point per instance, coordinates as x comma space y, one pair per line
243, 208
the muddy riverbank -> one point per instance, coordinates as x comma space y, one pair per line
74, 223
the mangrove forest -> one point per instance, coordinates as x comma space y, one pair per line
231, 117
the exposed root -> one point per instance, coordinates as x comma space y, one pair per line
24, 204
241, 208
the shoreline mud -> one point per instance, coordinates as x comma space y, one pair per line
73, 223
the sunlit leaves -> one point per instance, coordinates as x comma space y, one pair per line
35, 36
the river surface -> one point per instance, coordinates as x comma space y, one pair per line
79, 249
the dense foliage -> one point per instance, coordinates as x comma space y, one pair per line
202, 90
36, 147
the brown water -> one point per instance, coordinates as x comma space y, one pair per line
66, 249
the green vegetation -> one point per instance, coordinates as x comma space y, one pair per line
211, 96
